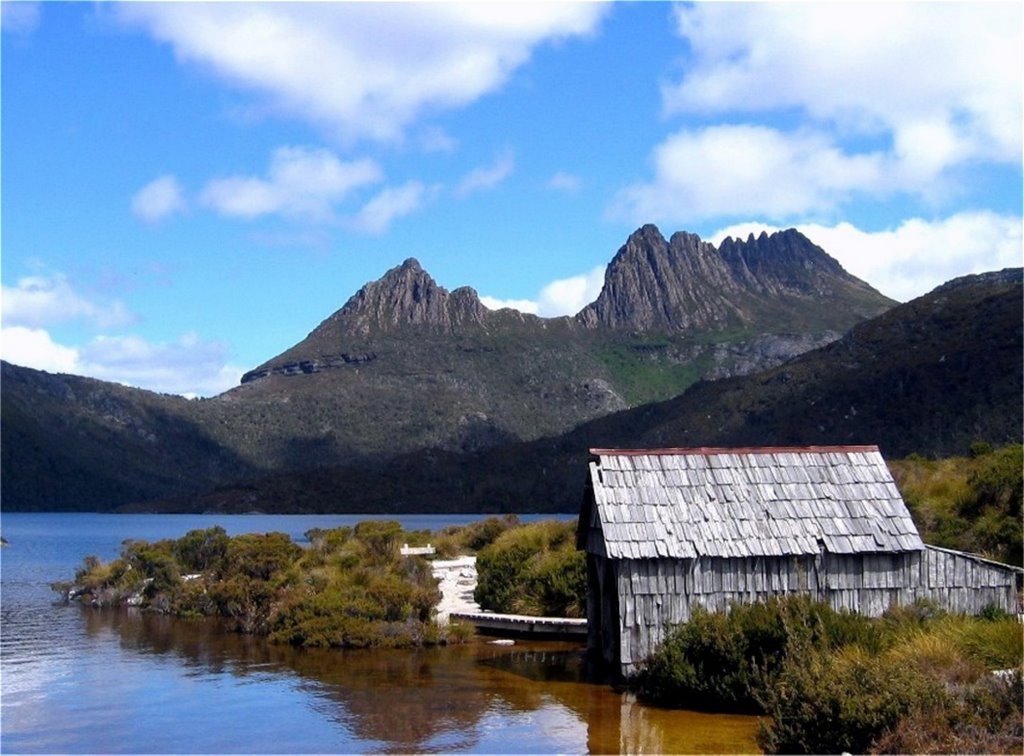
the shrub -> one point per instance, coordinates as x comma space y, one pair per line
701, 665
534, 570
244, 600
719, 660
968, 503
842, 701
156, 562
478, 535
982, 717
380, 538
192, 599
557, 581
460, 539
260, 556
202, 550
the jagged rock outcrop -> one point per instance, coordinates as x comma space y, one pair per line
685, 284
653, 284
408, 296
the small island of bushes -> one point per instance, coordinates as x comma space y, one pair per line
348, 587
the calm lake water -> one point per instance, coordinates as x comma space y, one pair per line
78, 680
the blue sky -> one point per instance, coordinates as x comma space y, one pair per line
188, 189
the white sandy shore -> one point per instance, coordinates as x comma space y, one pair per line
457, 582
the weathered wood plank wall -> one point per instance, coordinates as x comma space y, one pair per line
655, 594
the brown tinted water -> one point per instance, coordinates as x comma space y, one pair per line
441, 699
77, 680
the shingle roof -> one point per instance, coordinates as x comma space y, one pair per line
748, 502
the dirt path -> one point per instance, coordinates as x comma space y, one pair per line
457, 581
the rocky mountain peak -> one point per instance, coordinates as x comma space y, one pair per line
685, 284
654, 284
783, 263
408, 296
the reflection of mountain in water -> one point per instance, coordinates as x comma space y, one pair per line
439, 700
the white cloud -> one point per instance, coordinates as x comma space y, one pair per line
565, 182
916, 256
730, 170
393, 202
301, 182
37, 301
187, 367
158, 199
33, 347
942, 80
567, 296
486, 177
523, 305
564, 296
364, 70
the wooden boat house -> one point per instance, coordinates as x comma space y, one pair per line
666, 530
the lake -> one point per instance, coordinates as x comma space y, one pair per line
79, 680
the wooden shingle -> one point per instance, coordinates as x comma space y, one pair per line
691, 502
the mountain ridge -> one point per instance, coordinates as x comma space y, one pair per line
405, 366
677, 287
930, 376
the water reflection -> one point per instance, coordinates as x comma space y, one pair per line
441, 700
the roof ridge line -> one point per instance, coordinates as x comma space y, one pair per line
713, 450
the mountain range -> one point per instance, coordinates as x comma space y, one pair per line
411, 397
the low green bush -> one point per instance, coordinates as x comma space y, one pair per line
469, 539
718, 660
202, 550
839, 701
830, 681
534, 570
260, 555
982, 716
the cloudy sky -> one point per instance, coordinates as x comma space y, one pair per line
189, 189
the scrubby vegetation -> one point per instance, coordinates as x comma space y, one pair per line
916, 680
533, 569
968, 503
349, 588
456, 540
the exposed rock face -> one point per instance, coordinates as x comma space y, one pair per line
407, 295
764, 352
686, 284
652, 284
305, 367
785, 263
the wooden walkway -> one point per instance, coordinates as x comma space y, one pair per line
519, 624
457, 580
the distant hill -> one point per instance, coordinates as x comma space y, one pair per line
73, 443
931, 376
406, 366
